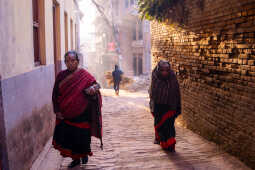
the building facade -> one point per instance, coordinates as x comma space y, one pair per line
126, 42
134, 37
34, 35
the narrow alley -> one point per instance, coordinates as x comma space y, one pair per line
128, 143
208, 45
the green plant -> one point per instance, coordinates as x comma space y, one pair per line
156, 9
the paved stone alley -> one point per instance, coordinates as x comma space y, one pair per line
128, 143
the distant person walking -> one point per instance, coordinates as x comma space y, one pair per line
165, 104
116, 74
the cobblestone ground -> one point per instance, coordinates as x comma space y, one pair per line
128, 143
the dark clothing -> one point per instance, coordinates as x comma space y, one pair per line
164, 126
116, 85
116, 74
166, 91
82, 114
70, 139
165, 104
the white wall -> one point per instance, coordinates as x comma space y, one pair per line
16, 40
16, 35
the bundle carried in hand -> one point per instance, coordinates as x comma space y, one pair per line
124, 82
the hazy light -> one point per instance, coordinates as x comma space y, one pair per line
87, 26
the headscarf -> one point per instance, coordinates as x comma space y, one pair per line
116, 67
165, 90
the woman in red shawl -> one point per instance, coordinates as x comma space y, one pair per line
165, 103
77, 104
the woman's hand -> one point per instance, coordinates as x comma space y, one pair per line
59, 115
91, 91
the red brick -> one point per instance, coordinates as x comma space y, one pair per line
219, 69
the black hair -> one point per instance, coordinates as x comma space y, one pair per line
72, 52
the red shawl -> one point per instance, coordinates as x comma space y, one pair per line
72, 101
69, 98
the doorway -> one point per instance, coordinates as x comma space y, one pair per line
56, 37
138, 64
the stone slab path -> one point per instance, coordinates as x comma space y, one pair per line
128, 143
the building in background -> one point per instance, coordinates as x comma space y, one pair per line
78, 15
34, 36
127, 30
134, 37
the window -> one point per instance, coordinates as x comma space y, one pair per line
140, 35
66, 32
117, 7
146, 26
76, 37
126, 3
57, 37
38, 32
135, 64
140, 64
71, 32
134, 32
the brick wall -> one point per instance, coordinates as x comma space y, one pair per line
213, 55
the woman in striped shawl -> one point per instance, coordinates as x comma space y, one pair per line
165, 104
77, 104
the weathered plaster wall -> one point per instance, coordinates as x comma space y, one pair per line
26, 116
